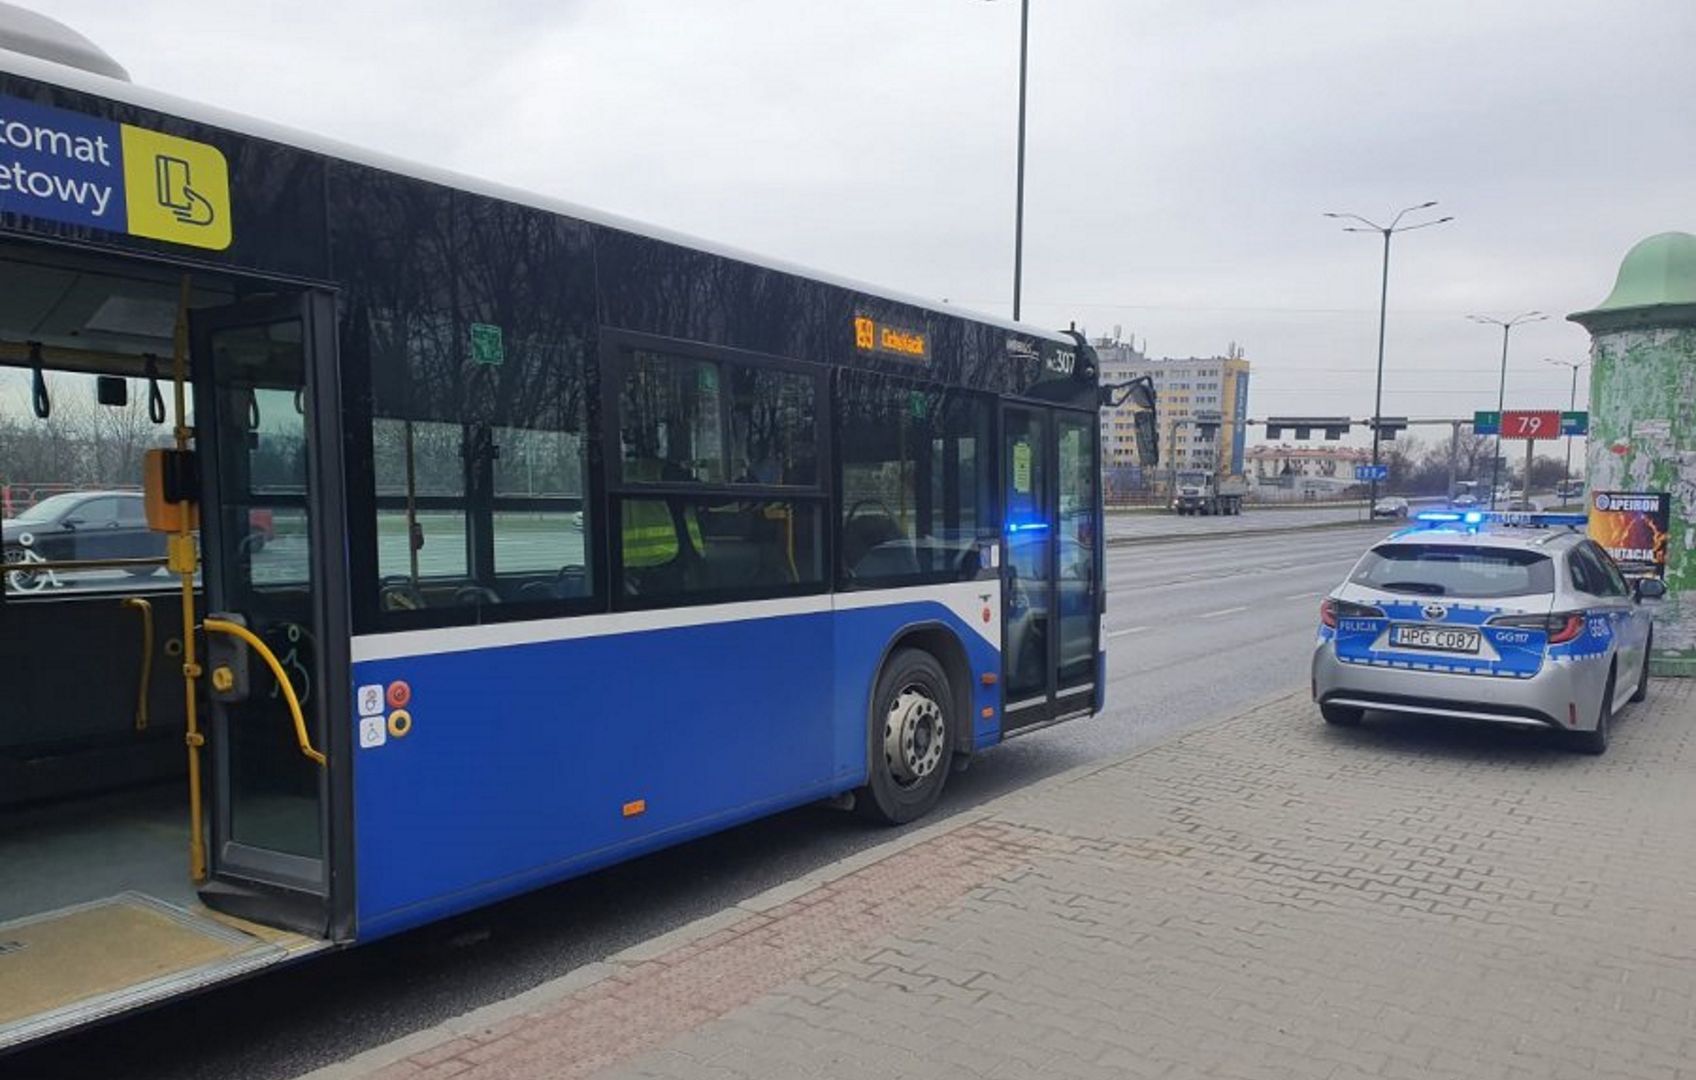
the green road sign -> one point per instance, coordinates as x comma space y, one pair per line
486, 347
1575, 423
1486, 423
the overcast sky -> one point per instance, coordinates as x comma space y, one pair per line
1180, 152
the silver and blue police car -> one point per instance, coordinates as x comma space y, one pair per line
1511, 618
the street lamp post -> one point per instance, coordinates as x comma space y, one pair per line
1019, 197
1571, 406
1386, 231
1502, 387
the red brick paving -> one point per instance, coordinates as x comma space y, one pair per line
678, 991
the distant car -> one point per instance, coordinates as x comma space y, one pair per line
81, 525
1466, 619
261, 528
1393, 506
1523, 506
1462, 502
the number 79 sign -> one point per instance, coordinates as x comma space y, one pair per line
1531, 424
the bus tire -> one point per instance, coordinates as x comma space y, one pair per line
911, 739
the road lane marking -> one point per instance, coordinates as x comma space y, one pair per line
1222, 611
1126, 630
1303, 596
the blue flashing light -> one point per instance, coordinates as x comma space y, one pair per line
1026, 526
1473, 520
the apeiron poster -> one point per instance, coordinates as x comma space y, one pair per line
1632, 527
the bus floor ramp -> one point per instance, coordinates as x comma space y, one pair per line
64, 967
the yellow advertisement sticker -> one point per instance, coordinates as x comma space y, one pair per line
177, 190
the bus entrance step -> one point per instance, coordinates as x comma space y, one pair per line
67, 967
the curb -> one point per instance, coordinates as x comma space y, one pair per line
578, 979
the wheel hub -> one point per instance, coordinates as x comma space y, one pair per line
914, 736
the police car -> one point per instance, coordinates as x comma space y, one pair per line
1511, 618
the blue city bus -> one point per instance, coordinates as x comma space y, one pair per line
511, 541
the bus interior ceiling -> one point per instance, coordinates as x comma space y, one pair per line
93, 800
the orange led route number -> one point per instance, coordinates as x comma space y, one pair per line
875, 337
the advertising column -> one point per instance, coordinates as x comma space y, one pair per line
1641, 452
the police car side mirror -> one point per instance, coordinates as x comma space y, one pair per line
1649, 588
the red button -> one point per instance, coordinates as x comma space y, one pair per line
399, 694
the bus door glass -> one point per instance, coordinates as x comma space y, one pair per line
1028, 575
1052, 571
253, 364
1078, 548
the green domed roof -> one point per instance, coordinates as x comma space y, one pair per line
1657, 283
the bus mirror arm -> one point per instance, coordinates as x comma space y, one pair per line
1138, 391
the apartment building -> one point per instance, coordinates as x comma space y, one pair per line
1190, 389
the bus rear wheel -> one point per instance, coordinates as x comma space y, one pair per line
911, 739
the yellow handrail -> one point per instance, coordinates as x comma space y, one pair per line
146, 610
181, 558
236, 630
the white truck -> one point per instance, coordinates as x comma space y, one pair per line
1207, 494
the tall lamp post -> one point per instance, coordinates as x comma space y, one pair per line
1571, 406
1507, 325
1019, 197
1386, 231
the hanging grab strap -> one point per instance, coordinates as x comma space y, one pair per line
155, 397
38, 384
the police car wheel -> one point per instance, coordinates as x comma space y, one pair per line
1642, 690
911, 739
1596, 742
1342, 715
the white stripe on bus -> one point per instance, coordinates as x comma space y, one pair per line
964, 598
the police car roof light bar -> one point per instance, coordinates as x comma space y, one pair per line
1475, 518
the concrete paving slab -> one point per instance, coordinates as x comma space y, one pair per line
1263, 897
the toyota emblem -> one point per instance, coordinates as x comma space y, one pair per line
1435, 612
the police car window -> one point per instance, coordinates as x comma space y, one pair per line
1594, 573
1455, 570
1616, 580
1586, 576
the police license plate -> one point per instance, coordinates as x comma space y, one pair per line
1436, 638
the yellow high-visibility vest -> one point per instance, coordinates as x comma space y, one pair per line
649, 532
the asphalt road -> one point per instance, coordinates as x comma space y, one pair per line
1145, 523
1195, 629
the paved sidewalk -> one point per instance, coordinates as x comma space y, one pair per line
1265, 897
